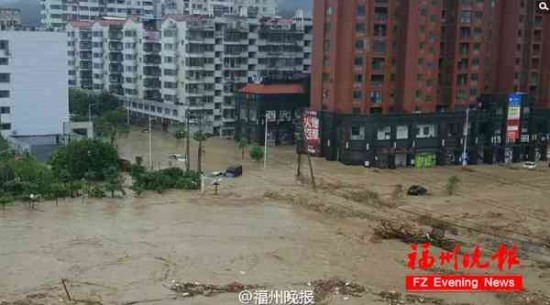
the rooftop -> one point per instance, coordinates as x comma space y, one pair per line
273, 89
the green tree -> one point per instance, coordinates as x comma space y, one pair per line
73, 161
112, 123
114, 181
56, 191
79, 102
83, 103
256, 153
243, 144
181, 134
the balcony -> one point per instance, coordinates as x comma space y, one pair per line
152, 71
115, 35
152, 83
115, 79
152, 60
152, 47
153, 95
116, 68
115, 57
115, 46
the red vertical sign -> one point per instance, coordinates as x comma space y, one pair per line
311, 131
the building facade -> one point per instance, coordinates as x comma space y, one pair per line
56, 13
397, 56
430, 139
280, 104
250, 8
10, 18
524, 39
189, 64
34, 102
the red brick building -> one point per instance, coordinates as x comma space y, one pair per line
400, 56
524, 36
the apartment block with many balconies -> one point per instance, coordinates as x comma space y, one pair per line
189, 64
56, 14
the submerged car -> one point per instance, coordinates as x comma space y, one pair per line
177, 157
530, 165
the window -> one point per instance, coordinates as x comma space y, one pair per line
402, 132
425, 131
4, 44
359, 61
357, 132
358, 78
5, 126
360, 28
466, 16
357, 95
376, 97
356, 110
359, 44
5, 110
418, 94
329, 11
4, 61
384, 133
4, 94
4, 77
360, 11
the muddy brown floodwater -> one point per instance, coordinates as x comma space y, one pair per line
264, 228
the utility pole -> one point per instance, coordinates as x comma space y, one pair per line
200, 138
464, 152
150, 145
89, 111
265, 142
187, 152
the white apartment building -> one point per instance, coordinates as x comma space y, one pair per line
188, 64
34, 101
10, 18
250, 8
56, 13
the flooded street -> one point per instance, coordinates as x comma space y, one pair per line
123, 251
264, 228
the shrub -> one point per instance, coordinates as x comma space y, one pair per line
97, 192
452, 183
256, 153
5, 200
161, 180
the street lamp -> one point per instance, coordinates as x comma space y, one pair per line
464, 152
